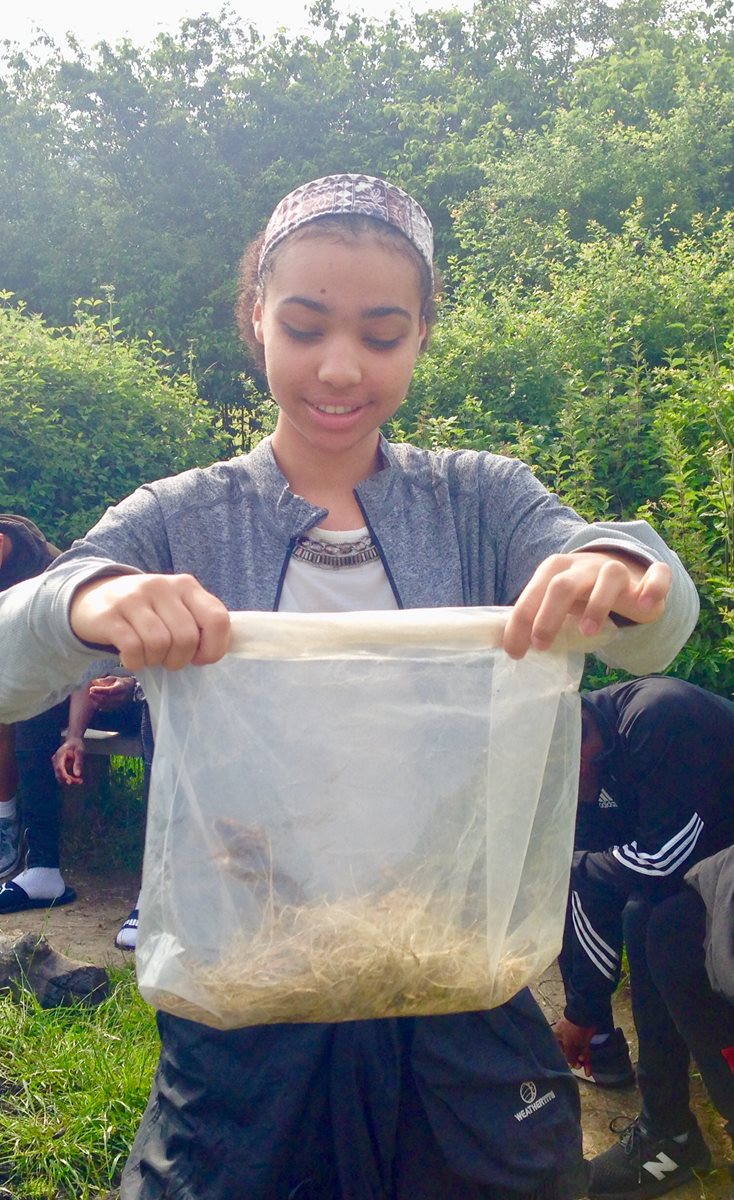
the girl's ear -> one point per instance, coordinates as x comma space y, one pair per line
423, 329
257, 321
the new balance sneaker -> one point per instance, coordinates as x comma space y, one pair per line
11, 845
611, 1066
641, 1166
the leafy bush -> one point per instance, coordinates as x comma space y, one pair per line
86, 417
614, 380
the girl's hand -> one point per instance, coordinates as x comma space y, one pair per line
152, 620
589, 585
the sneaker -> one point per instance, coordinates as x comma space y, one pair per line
11, 845
127, 934
641, 1165
611, 1066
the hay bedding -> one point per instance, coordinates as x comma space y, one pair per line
356, 959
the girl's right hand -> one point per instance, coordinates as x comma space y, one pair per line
152, 620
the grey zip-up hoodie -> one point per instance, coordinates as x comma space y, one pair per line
452, 528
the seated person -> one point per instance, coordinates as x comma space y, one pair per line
26, 761
24, 552
40, 764
109, 694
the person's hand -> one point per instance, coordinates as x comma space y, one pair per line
111, 692
589, 586
68, 761
575, 1042
152, 620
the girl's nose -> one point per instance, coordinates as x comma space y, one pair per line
340, 364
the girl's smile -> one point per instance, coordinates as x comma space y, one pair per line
341, 329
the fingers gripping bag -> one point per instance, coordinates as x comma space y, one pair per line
357, 815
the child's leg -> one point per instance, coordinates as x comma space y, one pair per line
268, 1112
41, 882
10, 831
705, 1020
663, 1058
8, 765
36, 740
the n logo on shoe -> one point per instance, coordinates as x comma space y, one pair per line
661, 1166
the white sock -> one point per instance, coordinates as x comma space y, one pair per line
600, 1038
8, 809
41, 883
127, 938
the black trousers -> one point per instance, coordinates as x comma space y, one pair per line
702, 1021
477, 1106
36, 741
590, 960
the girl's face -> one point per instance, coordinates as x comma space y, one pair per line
341, 328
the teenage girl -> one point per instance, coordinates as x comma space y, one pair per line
337, 296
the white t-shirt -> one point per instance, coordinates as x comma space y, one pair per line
336, 570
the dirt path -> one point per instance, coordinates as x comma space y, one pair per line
86, 929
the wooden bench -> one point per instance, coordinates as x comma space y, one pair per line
106, 742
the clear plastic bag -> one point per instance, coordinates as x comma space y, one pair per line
357, 815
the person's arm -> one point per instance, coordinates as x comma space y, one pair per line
68, 761
43, 661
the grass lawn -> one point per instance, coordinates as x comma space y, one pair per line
73, 1084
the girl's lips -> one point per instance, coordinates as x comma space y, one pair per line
333, 407
332, 415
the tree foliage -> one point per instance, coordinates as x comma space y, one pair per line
85, 418
575, 157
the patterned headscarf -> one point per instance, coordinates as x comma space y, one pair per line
362, 194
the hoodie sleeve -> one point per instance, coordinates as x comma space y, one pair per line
643, 649
42, 659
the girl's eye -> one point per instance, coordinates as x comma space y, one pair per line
302, 335
383, 343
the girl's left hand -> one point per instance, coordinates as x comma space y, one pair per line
589, 585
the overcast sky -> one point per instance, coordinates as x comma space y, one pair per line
141, 20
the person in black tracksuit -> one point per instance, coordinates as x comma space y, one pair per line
656, 796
